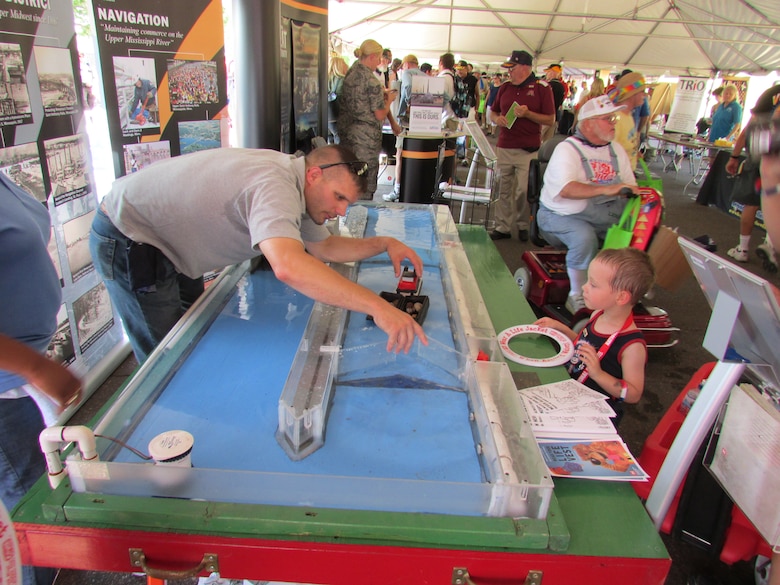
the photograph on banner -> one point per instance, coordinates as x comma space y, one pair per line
94, 316
136, 93
76, 233
142, 154
306, 83
22, 164
15, 105
66, 161
199, 135
61, 348
192, 84
690, 98
55, 76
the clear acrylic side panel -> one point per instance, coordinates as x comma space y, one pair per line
281, 489
471, 321
151, 378
521, 483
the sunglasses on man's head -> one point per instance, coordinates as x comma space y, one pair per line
358, 167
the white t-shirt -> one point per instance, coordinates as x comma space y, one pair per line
449, 93
212, 208
565, 166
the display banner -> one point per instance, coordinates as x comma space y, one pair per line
286, 86
306, 82
687, 107
45, 151
164, 78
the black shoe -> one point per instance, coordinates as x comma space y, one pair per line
497, 235
523, 235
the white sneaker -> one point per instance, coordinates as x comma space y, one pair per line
574, 304
394, 195
738, 254
767, 255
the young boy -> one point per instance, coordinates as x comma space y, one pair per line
610, 352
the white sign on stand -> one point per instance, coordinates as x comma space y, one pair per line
424, 120
426, 104
688, 105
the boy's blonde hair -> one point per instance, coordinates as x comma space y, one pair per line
633, 271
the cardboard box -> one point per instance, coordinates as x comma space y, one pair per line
671, 267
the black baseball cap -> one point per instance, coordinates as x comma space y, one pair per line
519, 58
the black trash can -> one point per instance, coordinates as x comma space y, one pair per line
420, 164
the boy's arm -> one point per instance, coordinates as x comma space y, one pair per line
551, 323
632, 362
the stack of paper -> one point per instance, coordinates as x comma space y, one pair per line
572, 426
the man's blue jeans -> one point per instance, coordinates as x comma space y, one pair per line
580, 232
21, 463
147, 316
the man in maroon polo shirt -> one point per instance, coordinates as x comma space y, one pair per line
531, 103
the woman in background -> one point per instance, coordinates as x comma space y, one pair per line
597, 88
363, 107
727, 118
336, 73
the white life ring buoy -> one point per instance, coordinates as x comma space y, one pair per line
563, 356
10, 561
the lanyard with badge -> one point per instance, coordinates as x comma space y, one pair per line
604, 346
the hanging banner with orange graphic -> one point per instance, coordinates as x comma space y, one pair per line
164, 78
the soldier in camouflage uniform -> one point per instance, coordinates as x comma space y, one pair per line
363, 106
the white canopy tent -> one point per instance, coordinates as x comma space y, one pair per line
655, 37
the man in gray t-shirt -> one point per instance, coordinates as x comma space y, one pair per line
160, 229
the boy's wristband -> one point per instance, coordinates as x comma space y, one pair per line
623, 390
771, 191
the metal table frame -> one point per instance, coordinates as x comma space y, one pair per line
698, 163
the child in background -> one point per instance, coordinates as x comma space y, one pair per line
610, 352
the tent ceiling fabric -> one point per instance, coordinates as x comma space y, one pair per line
678, 37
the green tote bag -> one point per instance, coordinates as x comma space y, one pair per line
620, 234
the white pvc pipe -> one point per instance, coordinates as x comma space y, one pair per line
52, 438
